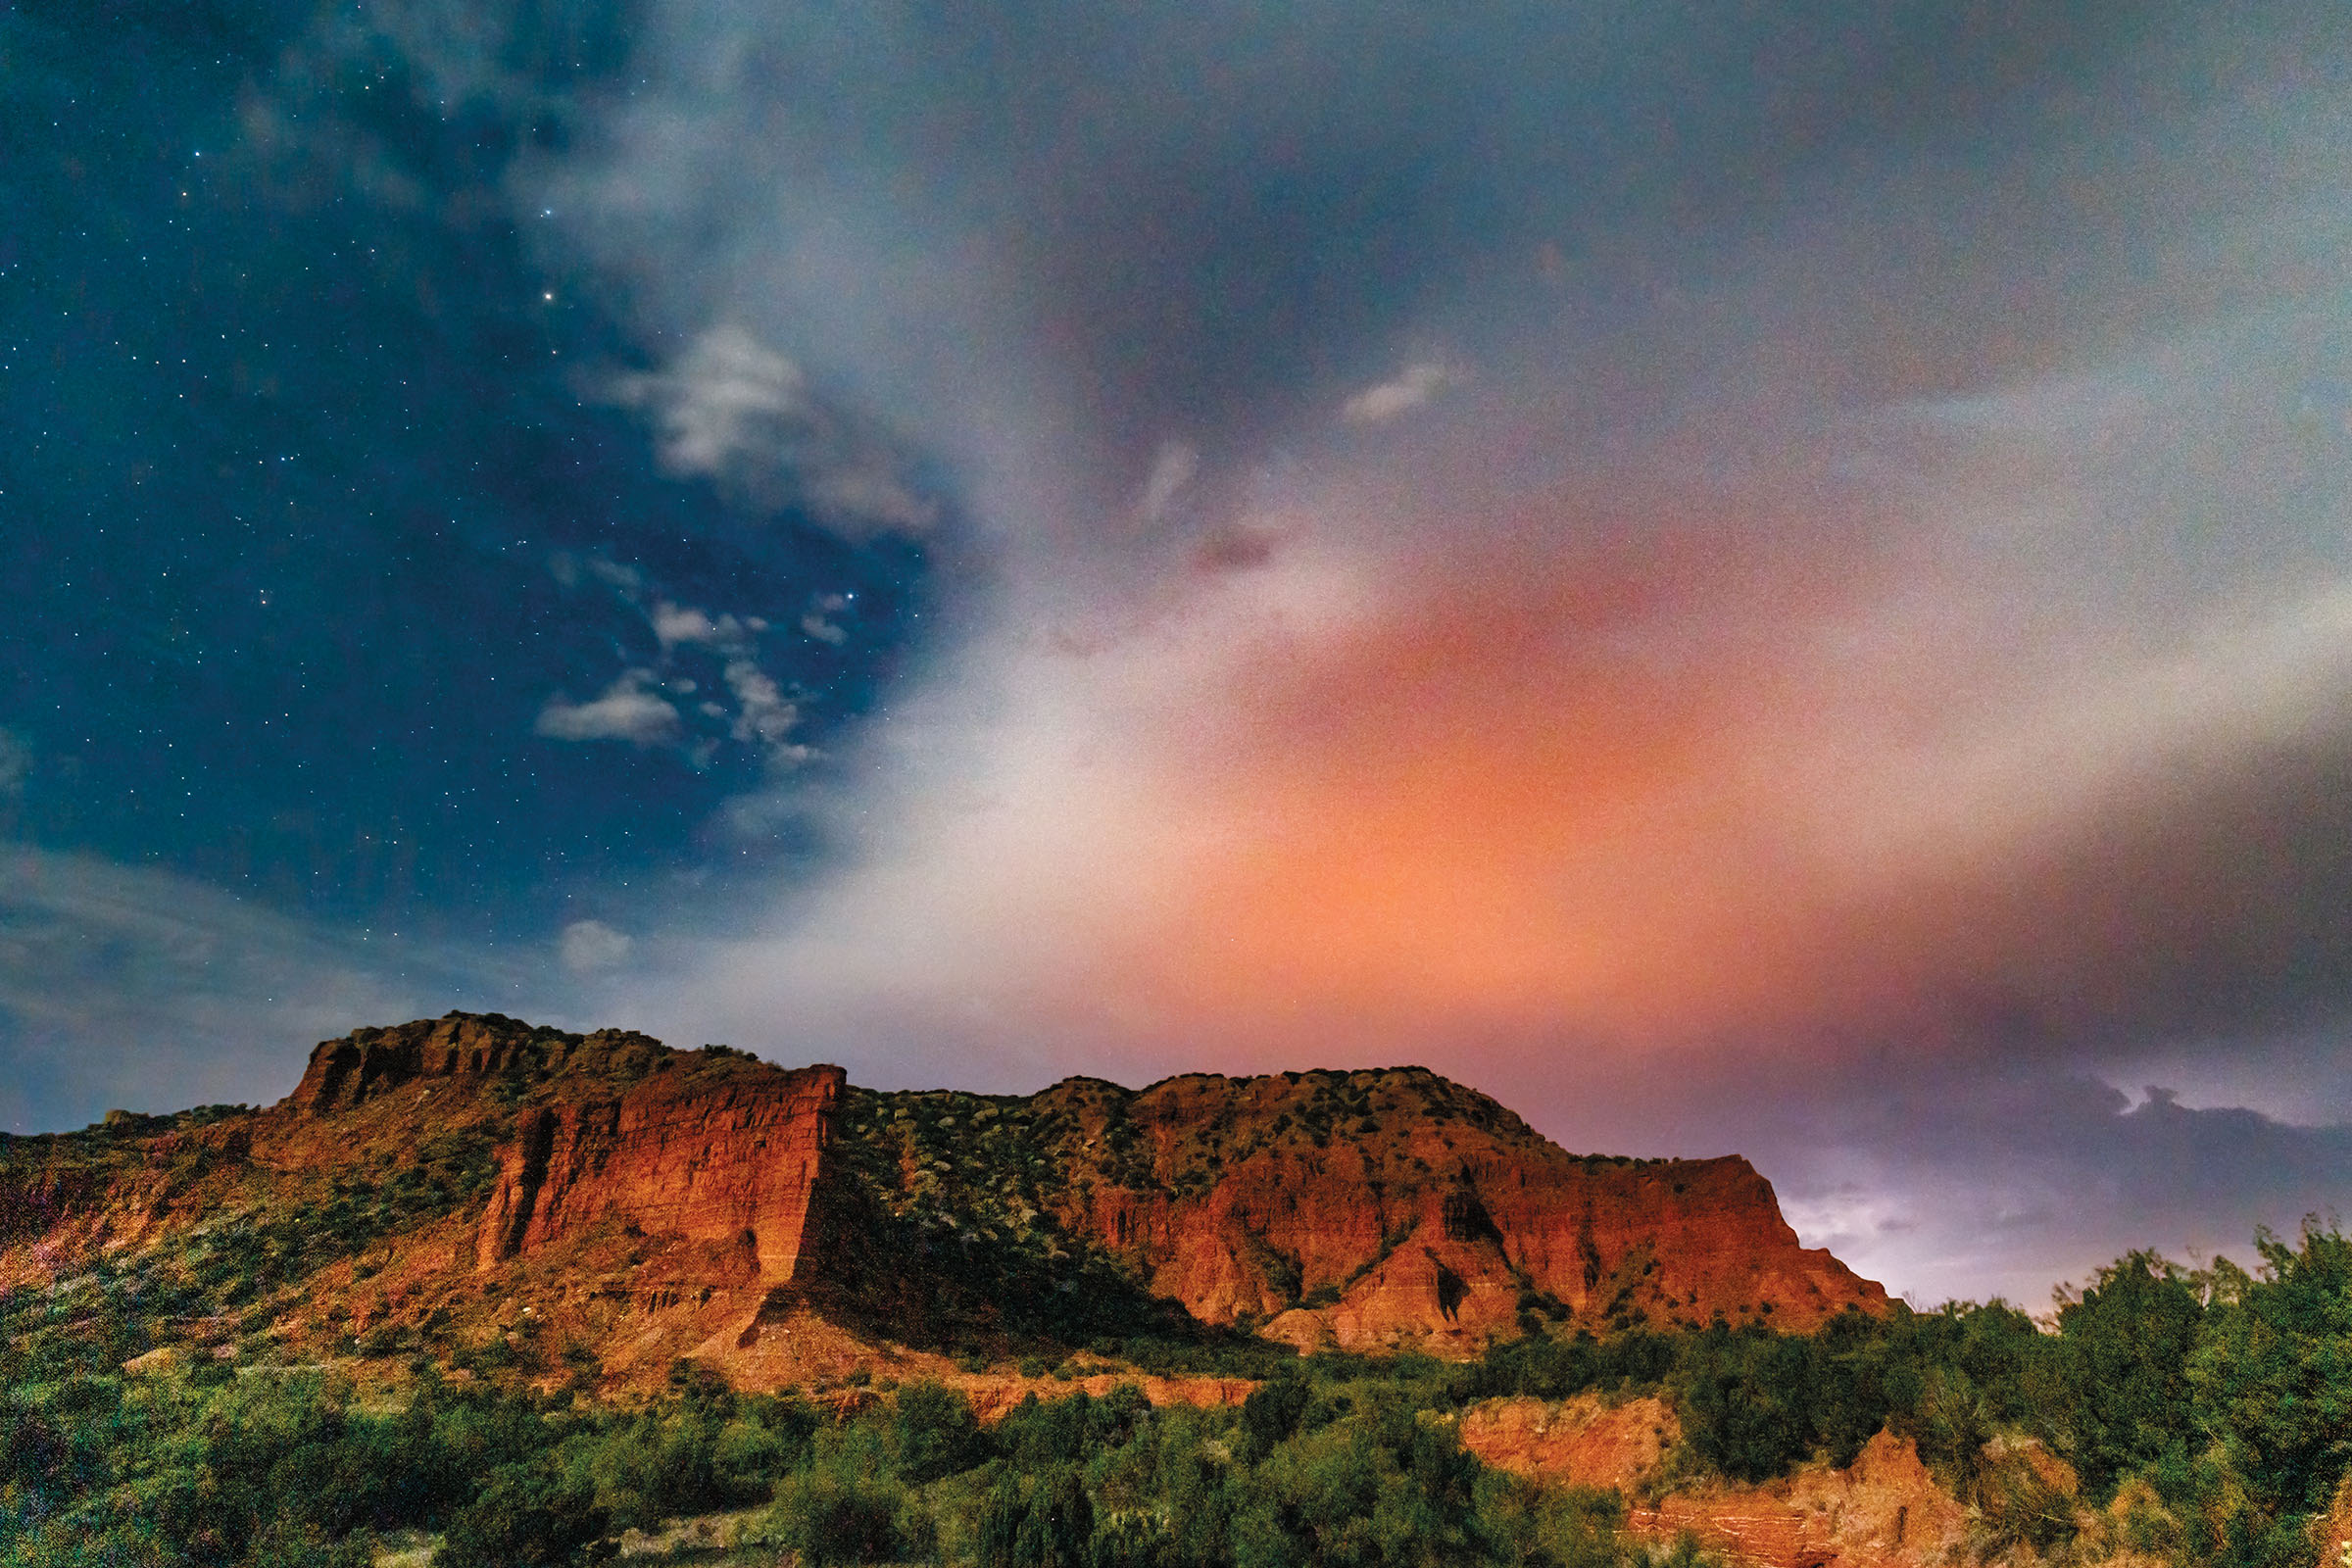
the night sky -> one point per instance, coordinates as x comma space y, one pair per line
1769, 578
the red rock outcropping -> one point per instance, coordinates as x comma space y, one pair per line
469, 1049
1374, 1209
1586, 1441
1364, 1210
618, 1136
732, 1163
634, 1203
1884, 1511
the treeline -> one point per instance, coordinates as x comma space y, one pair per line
2208, 1410
286, 1471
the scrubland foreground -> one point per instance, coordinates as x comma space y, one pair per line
483, 1294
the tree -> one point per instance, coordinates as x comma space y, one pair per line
831, 1515
1271, 1415
2272, 1381
1046, 1522
2129, 1339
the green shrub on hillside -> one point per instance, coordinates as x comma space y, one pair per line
528, 1517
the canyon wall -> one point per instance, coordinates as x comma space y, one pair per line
1374, 1209
732, 1163
646, 1204
1368, 1210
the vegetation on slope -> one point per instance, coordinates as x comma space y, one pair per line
952, 1243
207, 1467
2210, 1409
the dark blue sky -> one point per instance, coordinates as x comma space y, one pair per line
301, 483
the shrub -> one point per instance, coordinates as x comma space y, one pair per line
828, 1517
936, 1433
527, 1516
2272, 1381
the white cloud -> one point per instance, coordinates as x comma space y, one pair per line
679, 623
638, 706
734, 410
866, 498
628, 579
683, 624
589, 946
1417, 384
715, 408
626, 712
764, 717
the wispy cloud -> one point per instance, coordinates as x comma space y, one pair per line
762, 716
126, 986
638, 706
2011, 1183
731, 410
589, 947
719, 407
1415, 386
16, 762
683, 624
1173, 468
629, 710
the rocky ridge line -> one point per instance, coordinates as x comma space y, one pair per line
603, 1202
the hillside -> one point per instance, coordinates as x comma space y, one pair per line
593, 1208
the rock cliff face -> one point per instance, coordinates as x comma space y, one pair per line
732, 1163
1884, 1511
1371, 1209
369, 1063
481, 1181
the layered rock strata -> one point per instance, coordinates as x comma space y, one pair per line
732, 1163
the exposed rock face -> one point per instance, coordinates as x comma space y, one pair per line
1584, 1439
732, 1163
1884, 1511
993, 1398
1371, 1209
35, 1202
467, 1048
